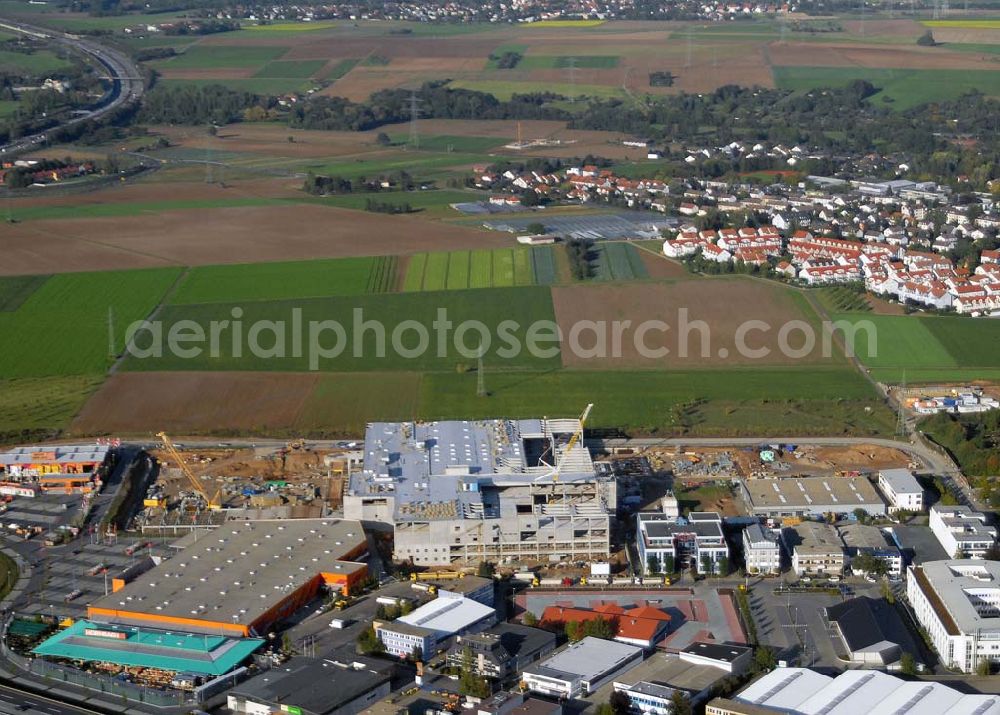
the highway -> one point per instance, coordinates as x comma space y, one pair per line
13, 700
126, 82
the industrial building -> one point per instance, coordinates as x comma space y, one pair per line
496, 490
870, 629
816, 549
761, 551
694, 671
131, 647
901, 489
696, 541
581, 668
811, 496
642, 626
962, 532
799, 691
241, 577
341, 684
865, 539
57, 469
958, 604
428, 626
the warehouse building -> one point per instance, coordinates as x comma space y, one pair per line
816, 549
811, 496
341, 684
799, 691
870, 629
958, 604
962, 532
695, 541
483, 490
241, 577
581, 668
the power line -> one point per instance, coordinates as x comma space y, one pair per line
414, 116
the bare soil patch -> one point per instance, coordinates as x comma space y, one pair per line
661, 266
880, 306
226, 235
883, 28
194, 402
723, 305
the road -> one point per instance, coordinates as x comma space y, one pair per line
126, 82
13, 700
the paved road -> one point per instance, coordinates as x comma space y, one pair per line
13, 700
126, 82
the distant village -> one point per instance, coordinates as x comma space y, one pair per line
916, 242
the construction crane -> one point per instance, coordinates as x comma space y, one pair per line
213, 502
576, 437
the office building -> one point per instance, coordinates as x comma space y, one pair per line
696, 541
581, 668
865, 539
958, 604
962, 532
430, 625
901, 489
761, 550
816, 549
503, 651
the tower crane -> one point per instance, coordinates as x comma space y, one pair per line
576, 437
213, 502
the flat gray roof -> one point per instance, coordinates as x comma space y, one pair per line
814, 494
237, 572
60, 454
865, 536
812, 537
587, 659
437, 470
901, 481
955, 581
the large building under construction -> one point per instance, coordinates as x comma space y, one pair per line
240, 578
498, 490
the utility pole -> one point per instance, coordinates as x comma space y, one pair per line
571, 69
480, 375
414, 116
901, 414
112, 351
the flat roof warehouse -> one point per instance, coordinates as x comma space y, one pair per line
811, 495
241, 577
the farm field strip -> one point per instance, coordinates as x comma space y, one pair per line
480, 268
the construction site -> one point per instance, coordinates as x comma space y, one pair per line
198, 488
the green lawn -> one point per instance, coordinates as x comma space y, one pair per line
62, 327
275, 281
972, 342
905, 87
543, 62
360, 349
291, 69
7, 107
17, 289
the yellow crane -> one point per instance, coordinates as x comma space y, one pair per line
576, 437
213, 502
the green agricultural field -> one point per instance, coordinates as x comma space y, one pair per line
78, 22
291, 69
382, 278
340, 69
275, 281
923, 349
136, 208
8, 107
204, 56
256, 85
419, 200
904, 87
37, 63
710, 402
62, 327
344, 403
450, 143
543, 264
617, 261
360, 351
41, 406
842, 299
424, 164
504, 90
17, 289
294, 28
496, 268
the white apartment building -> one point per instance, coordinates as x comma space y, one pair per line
434, 622
696, 541
901, 490
761, 550
962, 532
958, 604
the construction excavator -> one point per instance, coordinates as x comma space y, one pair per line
214, 503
